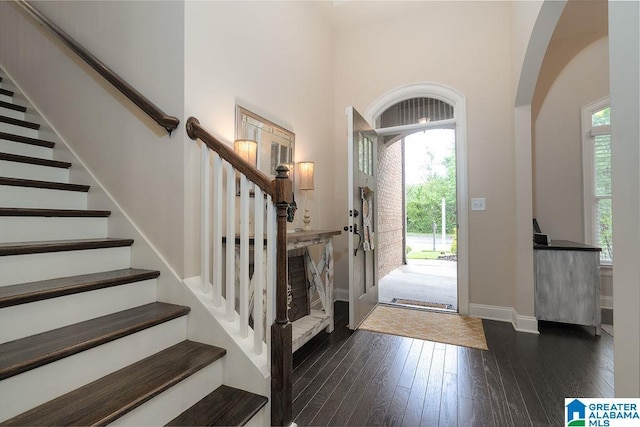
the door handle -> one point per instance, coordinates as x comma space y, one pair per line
354, 229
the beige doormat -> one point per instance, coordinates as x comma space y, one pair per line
422, 303
426, 325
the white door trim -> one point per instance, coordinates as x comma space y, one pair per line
458, 100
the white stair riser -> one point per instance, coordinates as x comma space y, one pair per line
260, 419
30, 268
8, 112
30, 197
18, 130
29, 171
29, 229
21, 392
172, 402
24, 320
12, 147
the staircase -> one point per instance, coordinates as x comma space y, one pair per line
83, 339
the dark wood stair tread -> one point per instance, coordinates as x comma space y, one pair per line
6, 92
53, 212
106, 399
36, 291
34, 161
13, 107
33, 351
19, 182
23, 248
225, 406
26, 140
17, 122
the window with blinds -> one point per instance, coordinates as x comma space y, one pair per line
416, 110
597, 177
602, 196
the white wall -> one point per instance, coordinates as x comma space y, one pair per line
466, 45
558, 202
134, 158
274, 58
624, 71
532, 24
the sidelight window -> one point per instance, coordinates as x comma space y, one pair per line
596, 157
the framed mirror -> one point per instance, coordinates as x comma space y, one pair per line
275, 144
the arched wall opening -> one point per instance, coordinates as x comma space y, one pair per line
523, 316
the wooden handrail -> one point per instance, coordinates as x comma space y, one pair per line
170, 123
196, 131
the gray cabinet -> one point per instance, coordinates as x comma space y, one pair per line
567, 281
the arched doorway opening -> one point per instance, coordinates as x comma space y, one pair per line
419, 112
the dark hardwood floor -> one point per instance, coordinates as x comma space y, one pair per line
370, 379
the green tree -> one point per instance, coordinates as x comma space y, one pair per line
424, 200
605, 232
602, 117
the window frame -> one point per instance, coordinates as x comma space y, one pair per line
589, 132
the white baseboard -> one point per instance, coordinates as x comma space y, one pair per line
490, 312
520, 323
528, 324
340, 294
606, 302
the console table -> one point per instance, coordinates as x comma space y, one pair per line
321, 278
319, 275
567, 283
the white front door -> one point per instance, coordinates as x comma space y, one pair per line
361, 187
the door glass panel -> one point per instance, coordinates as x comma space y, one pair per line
369, 156
365, 154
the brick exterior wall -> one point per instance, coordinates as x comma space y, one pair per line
390, 208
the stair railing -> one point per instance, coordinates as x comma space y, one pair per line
169, 123
261, 218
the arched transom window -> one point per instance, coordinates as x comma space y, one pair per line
414, 111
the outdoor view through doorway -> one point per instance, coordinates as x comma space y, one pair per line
428, 279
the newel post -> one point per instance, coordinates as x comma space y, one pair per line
281, 330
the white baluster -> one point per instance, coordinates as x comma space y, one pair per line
258, 272
231, 240
271, 269
244, 257
217, 230
205, 212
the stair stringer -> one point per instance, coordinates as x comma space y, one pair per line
239, 370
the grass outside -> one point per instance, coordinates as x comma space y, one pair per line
416, 247
426, 254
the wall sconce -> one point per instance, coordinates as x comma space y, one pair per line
247, 149
305, 182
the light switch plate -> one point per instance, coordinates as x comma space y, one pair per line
478, 204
